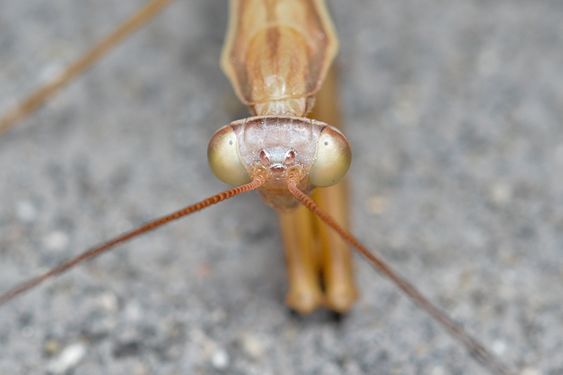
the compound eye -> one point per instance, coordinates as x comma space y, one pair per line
224, 159
332, 160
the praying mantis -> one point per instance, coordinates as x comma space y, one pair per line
212, 296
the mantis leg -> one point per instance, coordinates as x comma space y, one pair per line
304, 292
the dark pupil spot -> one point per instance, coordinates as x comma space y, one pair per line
264, 157
230, 142
326, 143
290, 157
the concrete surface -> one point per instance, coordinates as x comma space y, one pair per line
454, 109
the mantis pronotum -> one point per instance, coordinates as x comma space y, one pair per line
182, 194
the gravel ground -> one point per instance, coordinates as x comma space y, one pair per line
454, 110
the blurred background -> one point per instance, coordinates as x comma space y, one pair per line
454, 111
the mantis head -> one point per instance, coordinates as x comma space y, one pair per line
279, 148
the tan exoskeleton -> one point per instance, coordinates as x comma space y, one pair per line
277, 56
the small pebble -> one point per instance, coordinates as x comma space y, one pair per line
56, 241
499, 347
252, 346
51, 71
108, 302
67, 359
501, 193
220, 359
26, 211
51, 347
133, 312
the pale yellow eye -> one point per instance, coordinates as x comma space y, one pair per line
224, 159
332, 160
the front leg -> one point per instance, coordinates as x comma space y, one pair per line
304, 293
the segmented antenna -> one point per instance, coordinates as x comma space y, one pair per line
127, 236
43, 93
471, 344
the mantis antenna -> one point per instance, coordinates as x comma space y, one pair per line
127, 236
43, 93
473, 346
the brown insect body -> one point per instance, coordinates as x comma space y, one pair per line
277, 53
